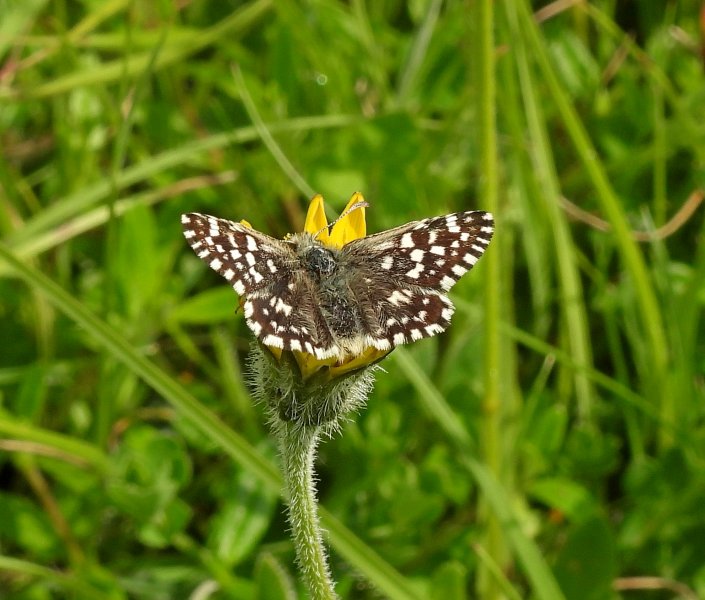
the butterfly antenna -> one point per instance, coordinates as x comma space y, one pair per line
360, 204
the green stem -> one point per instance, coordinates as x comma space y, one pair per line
298, 450
495, 404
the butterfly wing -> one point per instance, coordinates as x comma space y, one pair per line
402, 275
279, 304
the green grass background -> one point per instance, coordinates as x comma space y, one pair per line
549, 445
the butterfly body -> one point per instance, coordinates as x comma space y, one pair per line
378, 291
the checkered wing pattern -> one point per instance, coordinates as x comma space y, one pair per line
382, 290
403, 274
265, 272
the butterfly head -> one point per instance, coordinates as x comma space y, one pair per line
319, 260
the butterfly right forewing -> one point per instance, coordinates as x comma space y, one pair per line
403, 274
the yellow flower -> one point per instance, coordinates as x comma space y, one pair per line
349, 227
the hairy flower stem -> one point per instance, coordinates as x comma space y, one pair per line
298, 445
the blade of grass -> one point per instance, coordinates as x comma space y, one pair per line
413, 64
83, 452
62, 580
499, 575
574, 312
75, 204
543, 583
498, 499
233, 444
656, 383
15, 17
372, 565
432, 400
356, 552
240, 20
498, 378
266, 136
606, 382
105, 396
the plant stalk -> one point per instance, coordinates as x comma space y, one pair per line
298, 445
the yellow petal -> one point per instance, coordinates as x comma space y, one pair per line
246, 224
316, 219
368, 356
309, 364
352, 226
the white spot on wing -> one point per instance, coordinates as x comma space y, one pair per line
447, 282
416, 271
273, 340
433, 329
282, 306
417, 255
381, 343
397, 298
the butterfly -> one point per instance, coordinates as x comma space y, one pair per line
378, 291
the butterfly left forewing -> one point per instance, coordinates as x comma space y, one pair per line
279, 303
247, 258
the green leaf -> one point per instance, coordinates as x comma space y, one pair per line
25, 525
273, 581
566, 496
241, 520
587, 564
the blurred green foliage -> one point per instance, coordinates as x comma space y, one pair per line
585, 472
